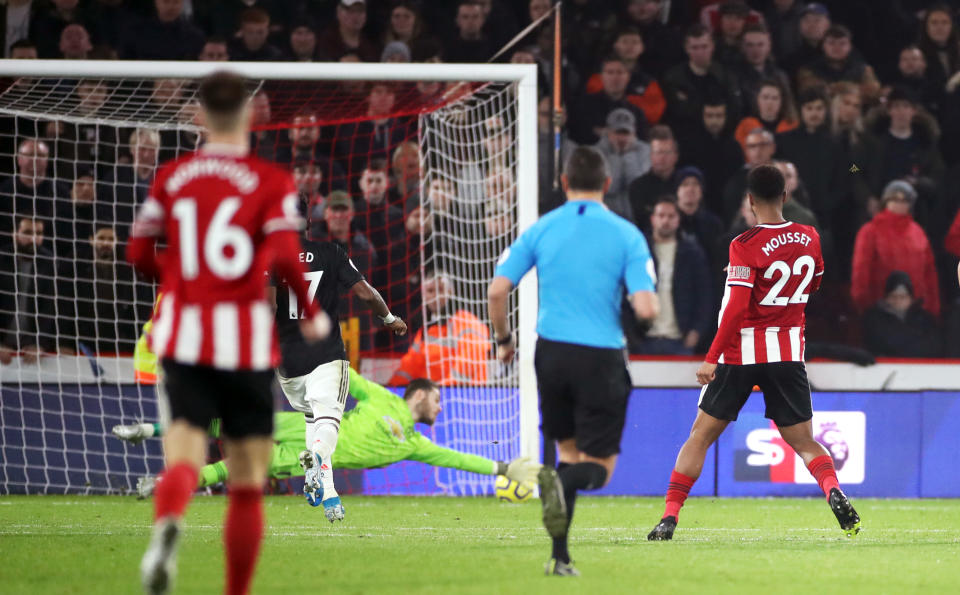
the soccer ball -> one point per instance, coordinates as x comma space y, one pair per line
508, 490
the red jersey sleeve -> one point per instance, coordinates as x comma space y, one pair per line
818, 268
740, 278
282, 221
148, 227
283, 214
739, 270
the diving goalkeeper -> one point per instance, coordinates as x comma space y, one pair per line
378, 432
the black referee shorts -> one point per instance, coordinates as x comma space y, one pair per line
786, 392
583, 395
242, 399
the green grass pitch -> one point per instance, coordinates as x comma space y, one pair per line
55, 544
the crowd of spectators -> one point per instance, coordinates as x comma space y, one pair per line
857, 101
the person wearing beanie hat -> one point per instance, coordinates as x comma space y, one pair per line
820, 160
812, 25
896, 281
303, 40
695, 219
898, 190
898, 326
688, 171
893, 241
396, 51
908, 139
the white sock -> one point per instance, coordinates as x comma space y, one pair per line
325, 436
311, 426
324, 443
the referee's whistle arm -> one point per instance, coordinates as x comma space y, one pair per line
646, 307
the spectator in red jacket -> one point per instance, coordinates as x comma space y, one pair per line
893, 241
952, 241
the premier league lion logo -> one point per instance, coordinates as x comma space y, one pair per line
832, 439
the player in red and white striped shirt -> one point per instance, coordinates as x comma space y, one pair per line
773, 270
228, 220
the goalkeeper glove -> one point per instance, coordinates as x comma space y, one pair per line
521, 470
135, 433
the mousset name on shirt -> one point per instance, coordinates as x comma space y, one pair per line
238, 174
790, 237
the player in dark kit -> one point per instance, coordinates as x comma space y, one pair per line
314, 376
228, 219
773, 269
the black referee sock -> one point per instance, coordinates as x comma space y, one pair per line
574, 477
583, 476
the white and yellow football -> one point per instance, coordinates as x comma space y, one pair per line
508, 490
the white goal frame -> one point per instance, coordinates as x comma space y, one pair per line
524, 75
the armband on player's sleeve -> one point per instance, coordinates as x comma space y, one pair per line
738, 274
739, 271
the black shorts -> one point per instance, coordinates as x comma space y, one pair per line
786, 391
242, 399
583, 395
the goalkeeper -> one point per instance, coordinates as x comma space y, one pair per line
377, 432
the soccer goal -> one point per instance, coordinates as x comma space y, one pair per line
440, 161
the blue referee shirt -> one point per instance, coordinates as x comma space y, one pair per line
585, 255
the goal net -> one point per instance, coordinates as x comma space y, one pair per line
424, 177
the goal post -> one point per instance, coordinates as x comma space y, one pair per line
490, 95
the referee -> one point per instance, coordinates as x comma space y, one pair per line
585, 256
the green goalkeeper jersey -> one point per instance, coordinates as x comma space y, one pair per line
288, 426
380, 431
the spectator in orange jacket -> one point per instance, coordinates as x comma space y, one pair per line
893, 241
457, 345
773, 110
588, 114
643, 90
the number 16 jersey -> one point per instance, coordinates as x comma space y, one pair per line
226, 218
783, 266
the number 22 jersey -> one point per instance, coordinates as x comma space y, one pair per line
782, 265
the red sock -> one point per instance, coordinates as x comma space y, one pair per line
174, 488
242, 533
821, 468
677, 493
